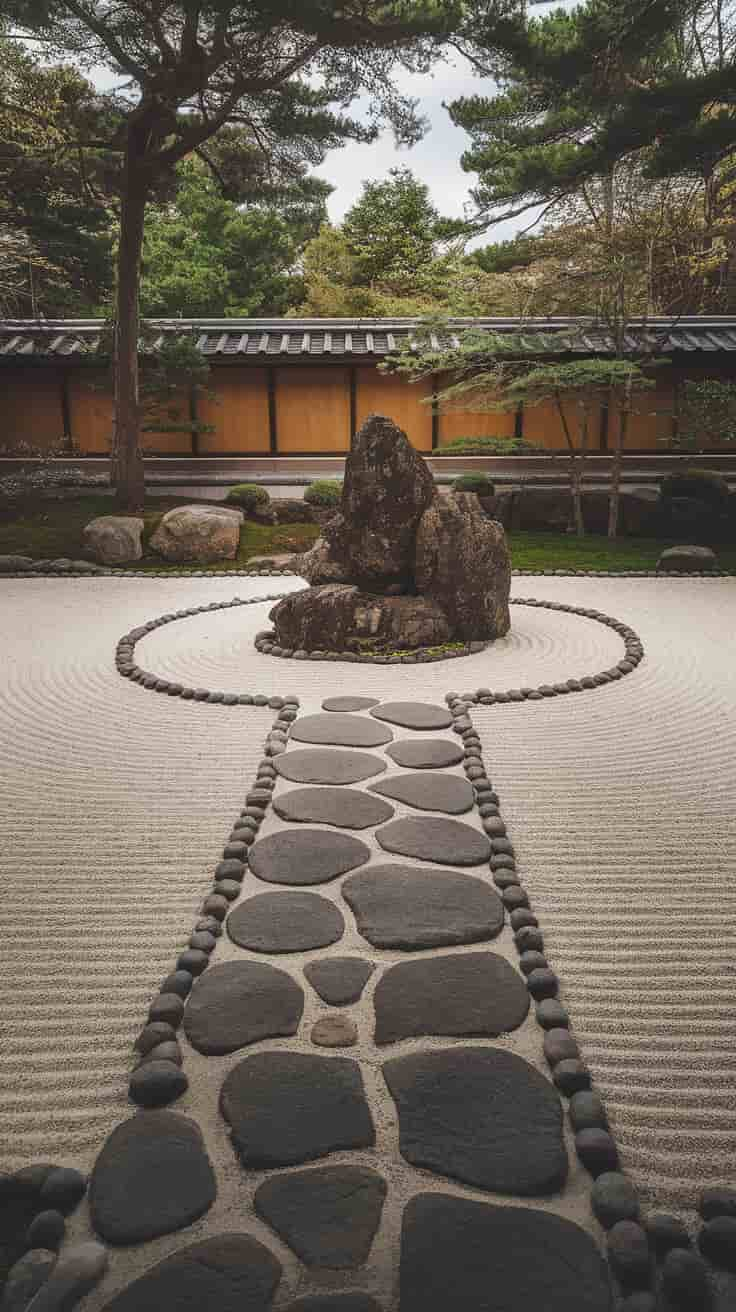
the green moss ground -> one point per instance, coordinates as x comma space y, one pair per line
48, 529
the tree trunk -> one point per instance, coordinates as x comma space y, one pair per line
127, 460
621, 429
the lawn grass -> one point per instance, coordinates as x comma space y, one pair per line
49, 529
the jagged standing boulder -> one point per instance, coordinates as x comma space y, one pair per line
462, 564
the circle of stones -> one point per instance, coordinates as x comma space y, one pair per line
634, 652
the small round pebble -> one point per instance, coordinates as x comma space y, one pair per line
551, 1014
167, 1007
46, 1230
515, 897
717, 1241
335, 1032
202, 941
542, 983
570, 1076
559, 1045
587, 1111
230, 868
628, 1253
614, 1198
529, 961
179, 982
666, 1232
169, 1051
596, 1150
63, 1189
158, 1032
193, 960
529, 939
227, 888
685, 1281
717, 1202
215, 905
156, 1083
523, 919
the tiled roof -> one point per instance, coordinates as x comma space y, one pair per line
356, 339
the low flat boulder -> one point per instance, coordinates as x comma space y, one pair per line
687, 560
114, 539
283, 560
16, 564
198, 532
340, 617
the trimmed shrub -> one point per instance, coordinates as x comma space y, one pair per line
488, 446
479, 483
699, 484
248, 496
324, 492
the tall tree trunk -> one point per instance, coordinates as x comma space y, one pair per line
127, 461
621, 430
574, 469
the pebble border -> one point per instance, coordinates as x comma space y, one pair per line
263, 642
100, 572
158, 1078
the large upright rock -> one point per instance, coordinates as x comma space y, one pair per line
198, 532
462, 564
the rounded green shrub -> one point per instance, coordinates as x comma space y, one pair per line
248, 496
700, 484
324, 492
479, 483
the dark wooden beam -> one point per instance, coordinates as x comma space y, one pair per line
193, 420
353, 383
273, 432
519, 421
603, 433
66, 410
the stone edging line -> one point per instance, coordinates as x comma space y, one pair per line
95, 572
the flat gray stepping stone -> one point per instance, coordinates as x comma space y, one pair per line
152, 1176
339, 730
285, 1108
349, 703
482, 1116
433, 839
335, 1303
228, 1273
348, 808
328, 1216
476, 993
471, 1257
406, 907
428, 792
306, 856
425, 753
285, 922
414, 715
241, 1002
339, 980
327, 766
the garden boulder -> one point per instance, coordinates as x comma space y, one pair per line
687, 560
198, 533
462, 563
341, 617
114, 539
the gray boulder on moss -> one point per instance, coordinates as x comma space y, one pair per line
198, 532
114, 539
687, 560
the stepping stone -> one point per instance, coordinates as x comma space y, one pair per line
470, 1257
433, 839
306, 856
339, 980
482, 1116
349, 703
425, 753
335, 1032
285, 1108
327, 766
335, 1303
228, 1273
328, 1216
285, 922
348, 808
152, 1176
470, 994
409, 908
414, 715
241, 1002
428, 792
339, 730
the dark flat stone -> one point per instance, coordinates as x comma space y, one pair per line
152, 1176
306, 856
405, 907
414, 715
285, 1108
425, 753
285, 922
476, 993
480, 1115
339, 730
328, 1216
335, 1303
328, 766
228, 1273
433, 839
241, 1002
339, 980
349, 703
470, 1257
348, 808
429, 792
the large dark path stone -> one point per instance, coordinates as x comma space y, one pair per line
425, 753
482, 1116
241, 1002
285, 922
305, 856
347, 808
349, 703
152, 1176
474, 993
428, 792
471, 1257
327, 766
328, 1216
405, 907
339, 730
414, 715
432, 839
228, 1273
285, 1108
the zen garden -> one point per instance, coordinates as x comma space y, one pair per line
336, 339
